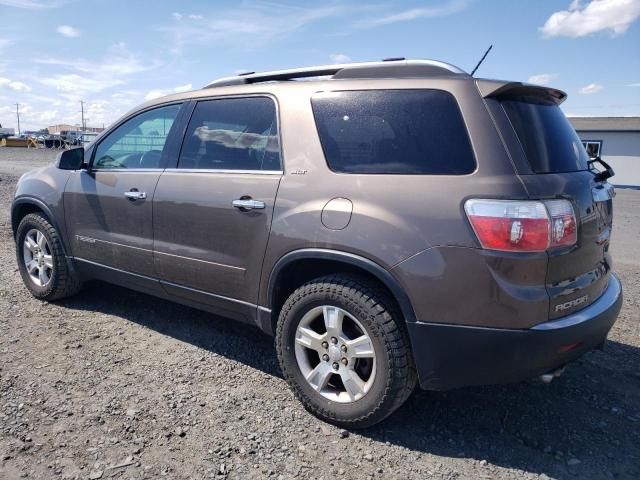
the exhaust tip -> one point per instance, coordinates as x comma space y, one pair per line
548, 377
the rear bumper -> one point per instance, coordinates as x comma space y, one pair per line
451, 356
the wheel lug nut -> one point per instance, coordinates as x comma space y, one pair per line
335, 365
325, 357
343, 348
334, 340
325, 345
345, 362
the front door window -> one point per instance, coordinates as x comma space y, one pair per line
138, 142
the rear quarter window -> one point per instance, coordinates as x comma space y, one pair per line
411, 132
548, 139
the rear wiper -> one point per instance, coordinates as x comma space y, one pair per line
601, 176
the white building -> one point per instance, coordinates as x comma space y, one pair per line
617, 141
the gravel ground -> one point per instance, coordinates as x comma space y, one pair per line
116, 384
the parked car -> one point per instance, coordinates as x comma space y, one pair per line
390, 223
54, 140
6, 132
72, 137
86, 138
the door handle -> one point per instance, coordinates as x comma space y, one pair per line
248, 204
135, 195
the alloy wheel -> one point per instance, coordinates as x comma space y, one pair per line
38, 259
335, 354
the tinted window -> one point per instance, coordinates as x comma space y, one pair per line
232, 134
137, 143
393, 131
549, 141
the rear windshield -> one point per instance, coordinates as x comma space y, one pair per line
549, 141
393, 132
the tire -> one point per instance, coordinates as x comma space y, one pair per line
58, 280
386, 378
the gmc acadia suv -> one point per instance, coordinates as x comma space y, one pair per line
389, 222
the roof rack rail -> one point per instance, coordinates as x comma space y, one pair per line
388, 68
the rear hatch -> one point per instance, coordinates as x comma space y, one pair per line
553, 163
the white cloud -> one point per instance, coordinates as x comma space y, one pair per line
597, 15
5, 42
14, 85
33, 4
118, 61
44, 117
84, 77
590, 89
157, 93
448, 8
153, 94
19, 87
101, 81
542, 78
248, 25
634, 84
79, 84
339, 58
575, 4
68, 31
183, 88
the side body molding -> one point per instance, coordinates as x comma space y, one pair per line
345, 257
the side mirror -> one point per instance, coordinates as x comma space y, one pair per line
71, 159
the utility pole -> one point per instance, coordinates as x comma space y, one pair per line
18, 115
84, 127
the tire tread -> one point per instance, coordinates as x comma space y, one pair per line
402, 378
66, 282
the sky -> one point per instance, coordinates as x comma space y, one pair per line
115, 54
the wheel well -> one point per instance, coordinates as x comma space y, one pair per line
298, 272
22, 210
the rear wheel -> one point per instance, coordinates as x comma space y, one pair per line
342, 352
41, 259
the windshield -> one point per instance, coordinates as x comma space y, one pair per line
550, 143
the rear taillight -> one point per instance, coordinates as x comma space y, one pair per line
564, 231
522, 226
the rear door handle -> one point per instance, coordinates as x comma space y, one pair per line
135, 195
248, 204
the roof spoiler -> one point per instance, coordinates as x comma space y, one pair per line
496, 89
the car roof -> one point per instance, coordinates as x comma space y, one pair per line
395, 71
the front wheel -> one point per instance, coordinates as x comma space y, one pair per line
342, 351
41, 259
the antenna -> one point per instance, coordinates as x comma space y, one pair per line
482, 59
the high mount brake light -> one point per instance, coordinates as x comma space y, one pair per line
522, 225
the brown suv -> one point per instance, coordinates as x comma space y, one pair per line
388, 222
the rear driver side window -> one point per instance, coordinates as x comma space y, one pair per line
393, 132
232, 134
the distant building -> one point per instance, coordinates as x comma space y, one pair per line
66, 127
617, 141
